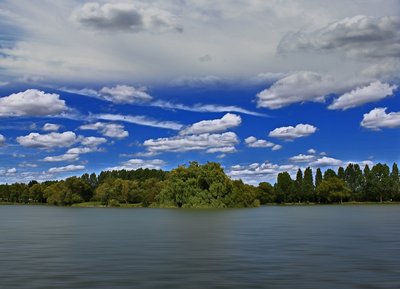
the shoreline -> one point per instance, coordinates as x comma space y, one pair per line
139, 205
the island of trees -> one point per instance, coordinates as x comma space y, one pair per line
207, 186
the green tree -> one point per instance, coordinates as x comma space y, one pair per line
36, 193
78, 186
341, 173
284, 187
333, 189
299, 191
318, 177
60, 194
266, 193
395, 182
308, 185
329, 173
381, 182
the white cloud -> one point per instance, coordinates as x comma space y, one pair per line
134, 164
140, 120
82, 150
129, 94
203, 107
8, 172
227, 149
11, 171
62, 158
71, 155
206, 141
378, 118
290, 133
27, 165
326, 162
51, 127
68, 168
228, 121
2, 140
359, 35
112, 130
312, 151
256, 173
297, 87
92, 141
31, 102
125, 17
301, 158
120, 94
276, 147
125, 94
253, 142
373, 92
48, 141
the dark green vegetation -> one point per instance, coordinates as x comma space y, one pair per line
207, 186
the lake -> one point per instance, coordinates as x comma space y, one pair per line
267, 247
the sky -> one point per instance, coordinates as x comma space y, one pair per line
258, 86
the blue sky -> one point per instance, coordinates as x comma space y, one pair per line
259, 87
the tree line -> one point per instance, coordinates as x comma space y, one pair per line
207, 186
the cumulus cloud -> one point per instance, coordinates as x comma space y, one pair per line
297, 87
134, 164
228, 121
112, 130
360, 35
48, 141
140, 120
312, 151
253, 142
8, 172
51, 127
373, 92
2, 140
69, 168
290, 133
31, 102
301, 158
224, 142
125, 17
378, 118
92, 141
326, 162
256, 172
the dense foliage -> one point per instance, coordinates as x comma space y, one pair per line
207, 186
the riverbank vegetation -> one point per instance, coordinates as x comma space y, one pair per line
207, 186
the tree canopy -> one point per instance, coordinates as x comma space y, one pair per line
207, 186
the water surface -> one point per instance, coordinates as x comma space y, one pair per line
268, 247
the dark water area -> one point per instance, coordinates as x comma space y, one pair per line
268, 247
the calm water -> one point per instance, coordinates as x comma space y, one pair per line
268, 247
